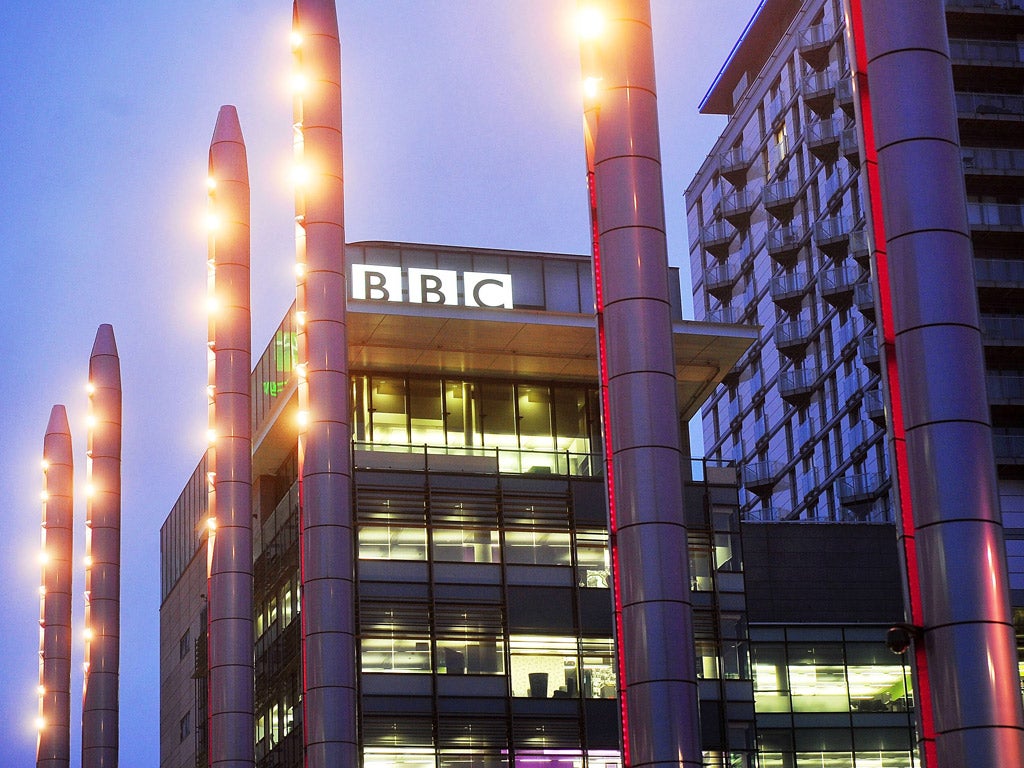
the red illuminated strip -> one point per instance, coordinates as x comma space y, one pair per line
924, 696
608, 464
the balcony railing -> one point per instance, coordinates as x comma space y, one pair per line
849, 144
818, 90
990, 104
874, 405
839, 281
797, 383
832, 235
815, 43
986, 51
759, 474
995, 214
1004, 387
1008, 448
794, 333
857, 489
716, 237
784, 242
859, 246
733, 162
844, 94
780, 196
868, 347
1001, 329
443, 458
1010, 161
720, 277
786, 288
985, 4
738, 204
1000, 271
823, 138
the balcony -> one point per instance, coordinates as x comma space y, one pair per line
796, 386
759, 476
715, 238
874, 406
818, 90
792, 338
780, 198
862, 489
993, 64
1008, 448
784, 243
733, 165
996, 217
832, 236
777, 107
1005, 388
1002, 330
788, 291
837, 284
719, 280
864, 298
991, 161
766, 514
823, 139
737, 206
844, 95
832, 188
849, 145
815, 43
869, 352
858, 247
990, 106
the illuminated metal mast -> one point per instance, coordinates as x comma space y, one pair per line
229, 457
658, 681
330, 696
54, 747
103, 556
941, 429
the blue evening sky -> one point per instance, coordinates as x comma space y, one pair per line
462, 126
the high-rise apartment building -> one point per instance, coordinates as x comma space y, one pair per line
777, 234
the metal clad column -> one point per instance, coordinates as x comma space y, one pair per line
660, 685
103, 556
54, 747
330, 696
232, 736
968, 629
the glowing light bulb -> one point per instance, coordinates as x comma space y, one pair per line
211, 436
44, 557
87, 561
44, 464
590, 23
44, 495
302, 417
42, 590
212, 305
299, 82
301, 175
211, 183
295, 38
41, 690
300, 317
212, 222
40, 723
591, 87
87, 634
90, 388
302, 369
300, 269
211, 523
90, 421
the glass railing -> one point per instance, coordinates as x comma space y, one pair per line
1008, 446
817, 84
797, 381
1005, 386
788, 286
1002, 327
718, 233
839, 279
990, 104
818, 35
759, 473
858, 243
986, 51
860, 487
874, 403
779, 193
999, 270
995, 214
786, 238
831, 229
740, 201
446, 458
844, 90
794, 332
868, 348
992, 159
733, 160
724, 315
720, 275
823, 132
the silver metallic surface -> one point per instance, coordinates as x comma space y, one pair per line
229, 462
103, 553
330, 696
968, 629
660, 684
54, 746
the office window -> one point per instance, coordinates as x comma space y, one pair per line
185, 644
185, 727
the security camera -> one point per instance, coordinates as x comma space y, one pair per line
899, 637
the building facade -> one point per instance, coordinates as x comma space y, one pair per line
484, 606
777, 234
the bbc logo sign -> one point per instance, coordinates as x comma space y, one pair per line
431, 286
